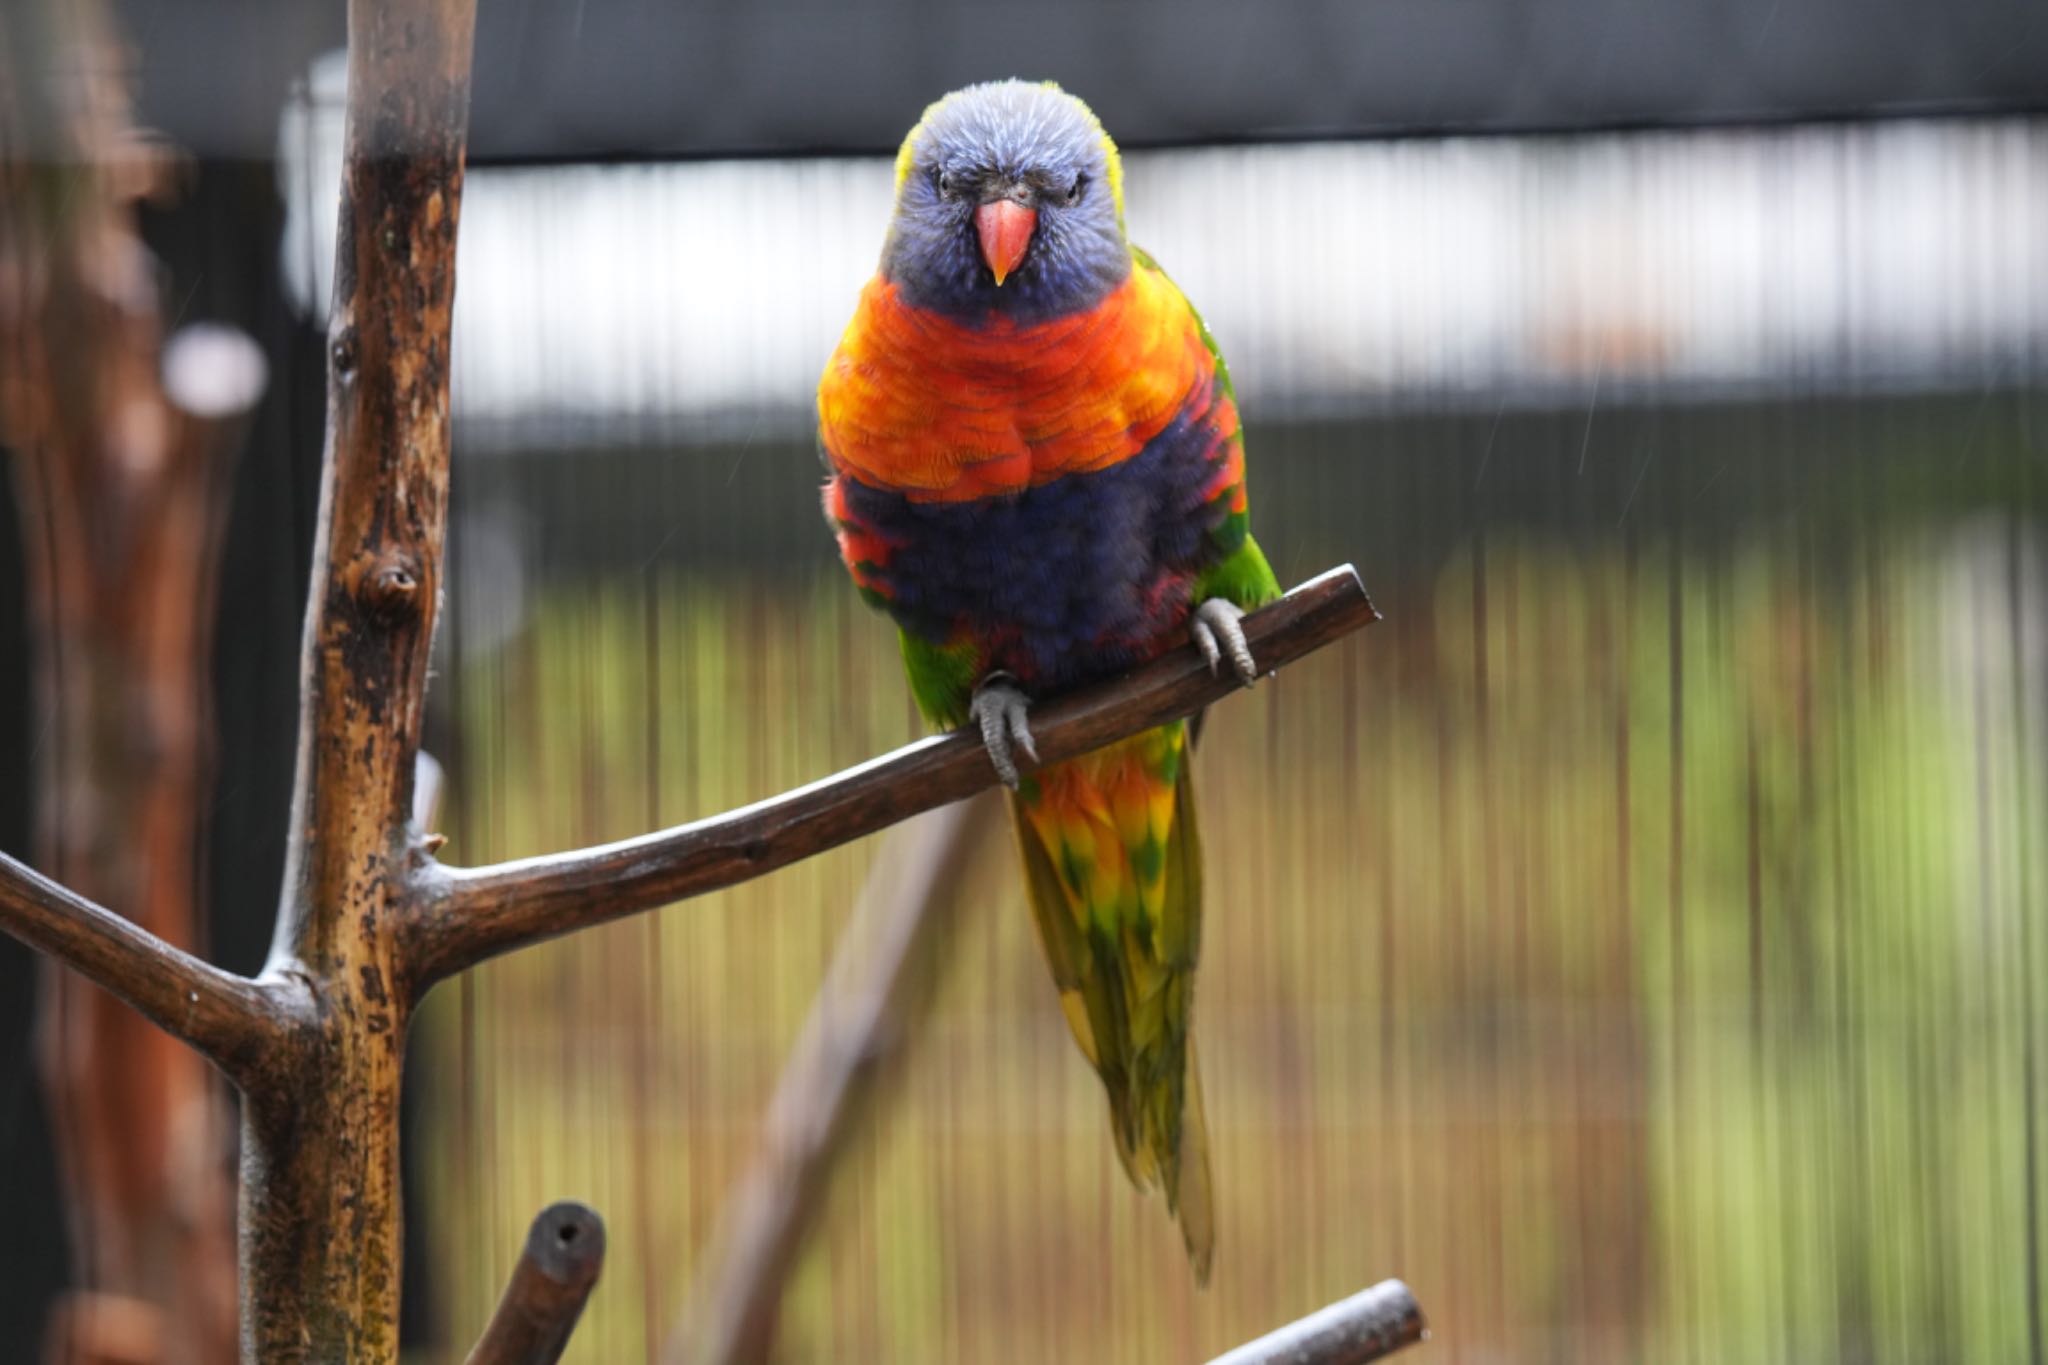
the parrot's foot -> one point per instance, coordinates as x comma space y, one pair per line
1216, 631
1000, 708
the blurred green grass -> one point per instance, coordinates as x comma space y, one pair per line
1632, 944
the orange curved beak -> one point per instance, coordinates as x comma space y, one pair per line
1005, 228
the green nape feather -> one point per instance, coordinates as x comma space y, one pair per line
1113, 867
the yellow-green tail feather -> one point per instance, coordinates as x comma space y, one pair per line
1112, 859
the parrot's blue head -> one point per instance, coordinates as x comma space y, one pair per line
1009, 201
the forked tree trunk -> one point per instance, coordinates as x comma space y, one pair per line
320, 1197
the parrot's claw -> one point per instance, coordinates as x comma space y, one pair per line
1217, 632
1000, 708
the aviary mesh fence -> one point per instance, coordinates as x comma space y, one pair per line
1636, 943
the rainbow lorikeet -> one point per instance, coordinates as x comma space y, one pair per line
1037, 472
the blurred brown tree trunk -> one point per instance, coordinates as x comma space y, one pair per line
124, 501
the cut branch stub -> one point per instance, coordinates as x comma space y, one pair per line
465, 916
556, 1272
1368, 1326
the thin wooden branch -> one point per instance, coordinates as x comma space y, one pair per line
234, 1022
545, 1296
872, 998
1370, 1325
463, 916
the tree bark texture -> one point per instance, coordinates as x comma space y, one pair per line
320, 1200
124, 491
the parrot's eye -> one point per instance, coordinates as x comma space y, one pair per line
944, 180
1074, 190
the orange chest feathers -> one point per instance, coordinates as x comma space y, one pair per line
944, 412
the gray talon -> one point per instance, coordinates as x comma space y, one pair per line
1216, 631
1205, 640
1021, 730
1001, 709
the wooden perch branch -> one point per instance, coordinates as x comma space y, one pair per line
463, 916
545, 1296
1370, 1325
880, 977
232, 1021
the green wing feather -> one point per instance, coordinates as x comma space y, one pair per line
942, 677
1242, 575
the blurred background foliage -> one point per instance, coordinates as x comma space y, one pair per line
1636, 942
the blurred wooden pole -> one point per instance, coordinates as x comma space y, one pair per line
122, 445
556, 1271
1370, 1325
873, 997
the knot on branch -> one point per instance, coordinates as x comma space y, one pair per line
342, 354
392, 587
